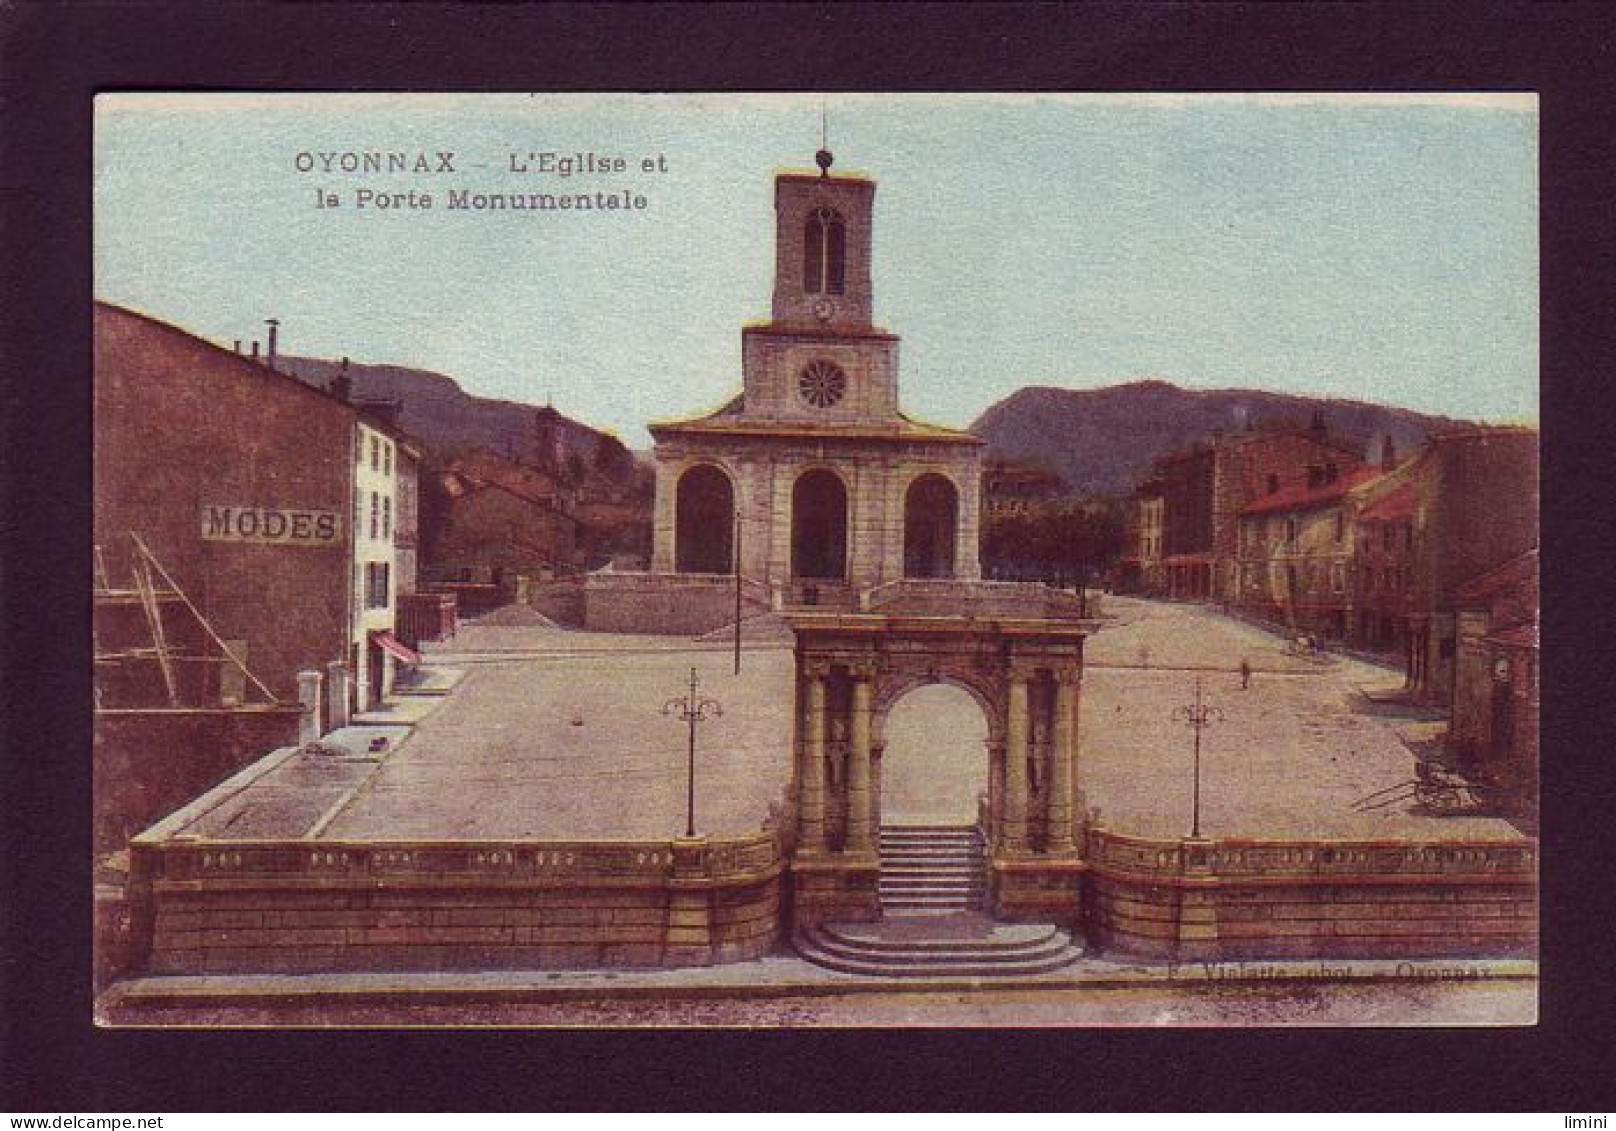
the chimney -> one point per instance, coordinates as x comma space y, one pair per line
1317, 427
255, 350
274, 325
1388, 453
342, 384
238, 345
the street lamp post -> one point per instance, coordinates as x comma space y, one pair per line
737, 592
1199, 716
692, 710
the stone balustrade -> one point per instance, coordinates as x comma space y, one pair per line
297, 905
1219, 899
987, 599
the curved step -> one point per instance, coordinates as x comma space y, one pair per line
937, 957
1040, 945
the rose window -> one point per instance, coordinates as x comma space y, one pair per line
821, 384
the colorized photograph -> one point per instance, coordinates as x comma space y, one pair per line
797, 560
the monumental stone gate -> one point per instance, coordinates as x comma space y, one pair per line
1026, 676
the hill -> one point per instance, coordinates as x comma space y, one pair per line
436, 409
1102, 440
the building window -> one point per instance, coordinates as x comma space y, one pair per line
376, 582
1340, 527
375, 454
387, 459
1290, 532
375, 515
387, 517
824, 255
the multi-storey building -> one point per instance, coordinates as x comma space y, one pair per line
1381, 574
373, 650
1495, 705
1474, 506
1201, 493
224, 533
1296, 551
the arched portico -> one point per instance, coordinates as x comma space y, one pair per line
1026, 677
704, 521
930, 526
819, 526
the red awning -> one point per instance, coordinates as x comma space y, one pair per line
387, 642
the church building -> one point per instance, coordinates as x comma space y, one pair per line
829, 489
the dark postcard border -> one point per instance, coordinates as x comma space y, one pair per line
54, 59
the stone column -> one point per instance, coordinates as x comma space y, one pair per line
1063, 764
664, 519
1015, 765
859, 798
308, 696
812, 822
780, 516
336, 694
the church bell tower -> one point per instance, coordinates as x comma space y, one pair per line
821, 357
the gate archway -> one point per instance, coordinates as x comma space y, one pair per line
819, 526
704, 521
1026, 678
934, 755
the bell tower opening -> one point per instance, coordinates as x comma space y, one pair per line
824, 253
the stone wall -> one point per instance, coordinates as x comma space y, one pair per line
150, 762
300, 906
1231, 899
562, 601
668, 603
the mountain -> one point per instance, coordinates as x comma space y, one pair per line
437, 410
1103, 440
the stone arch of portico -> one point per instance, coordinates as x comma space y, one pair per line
821, 524
931, 521
1025, 676
706, 496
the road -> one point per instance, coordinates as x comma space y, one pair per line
1278, 1004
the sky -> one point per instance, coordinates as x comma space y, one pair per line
1379, 248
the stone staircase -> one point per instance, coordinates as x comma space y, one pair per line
933, 883
965, 944
931, 869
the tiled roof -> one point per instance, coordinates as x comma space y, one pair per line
900, 428
1513, 572
1302, 497
1396, 506
484, 469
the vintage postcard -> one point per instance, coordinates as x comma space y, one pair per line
798, 560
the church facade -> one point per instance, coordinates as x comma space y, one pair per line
813, 476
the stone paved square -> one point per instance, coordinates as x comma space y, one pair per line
559, 734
